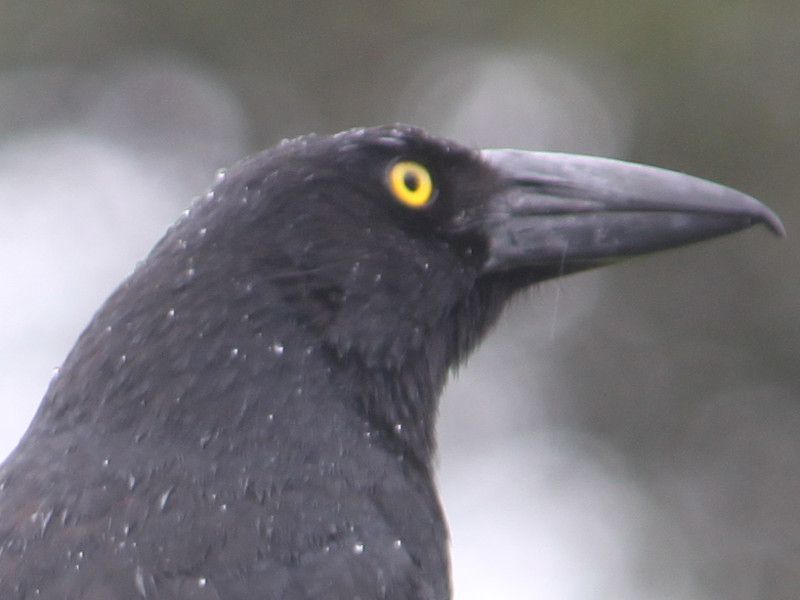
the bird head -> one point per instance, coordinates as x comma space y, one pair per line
387, 251
379, 236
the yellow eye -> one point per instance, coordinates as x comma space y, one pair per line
411, 184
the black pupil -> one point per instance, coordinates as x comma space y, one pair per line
411, 181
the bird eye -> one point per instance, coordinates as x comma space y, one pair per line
411, 184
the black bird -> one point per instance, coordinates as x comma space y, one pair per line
251, 413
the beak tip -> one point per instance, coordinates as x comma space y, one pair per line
773, 222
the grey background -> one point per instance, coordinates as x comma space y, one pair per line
625, 433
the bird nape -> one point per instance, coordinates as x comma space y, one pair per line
251, 413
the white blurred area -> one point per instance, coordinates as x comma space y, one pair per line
545, 512
77, 213
98, 167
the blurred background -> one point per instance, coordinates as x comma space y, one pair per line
627, 433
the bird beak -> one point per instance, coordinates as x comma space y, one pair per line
560, 213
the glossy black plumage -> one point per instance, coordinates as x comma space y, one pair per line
251, 414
